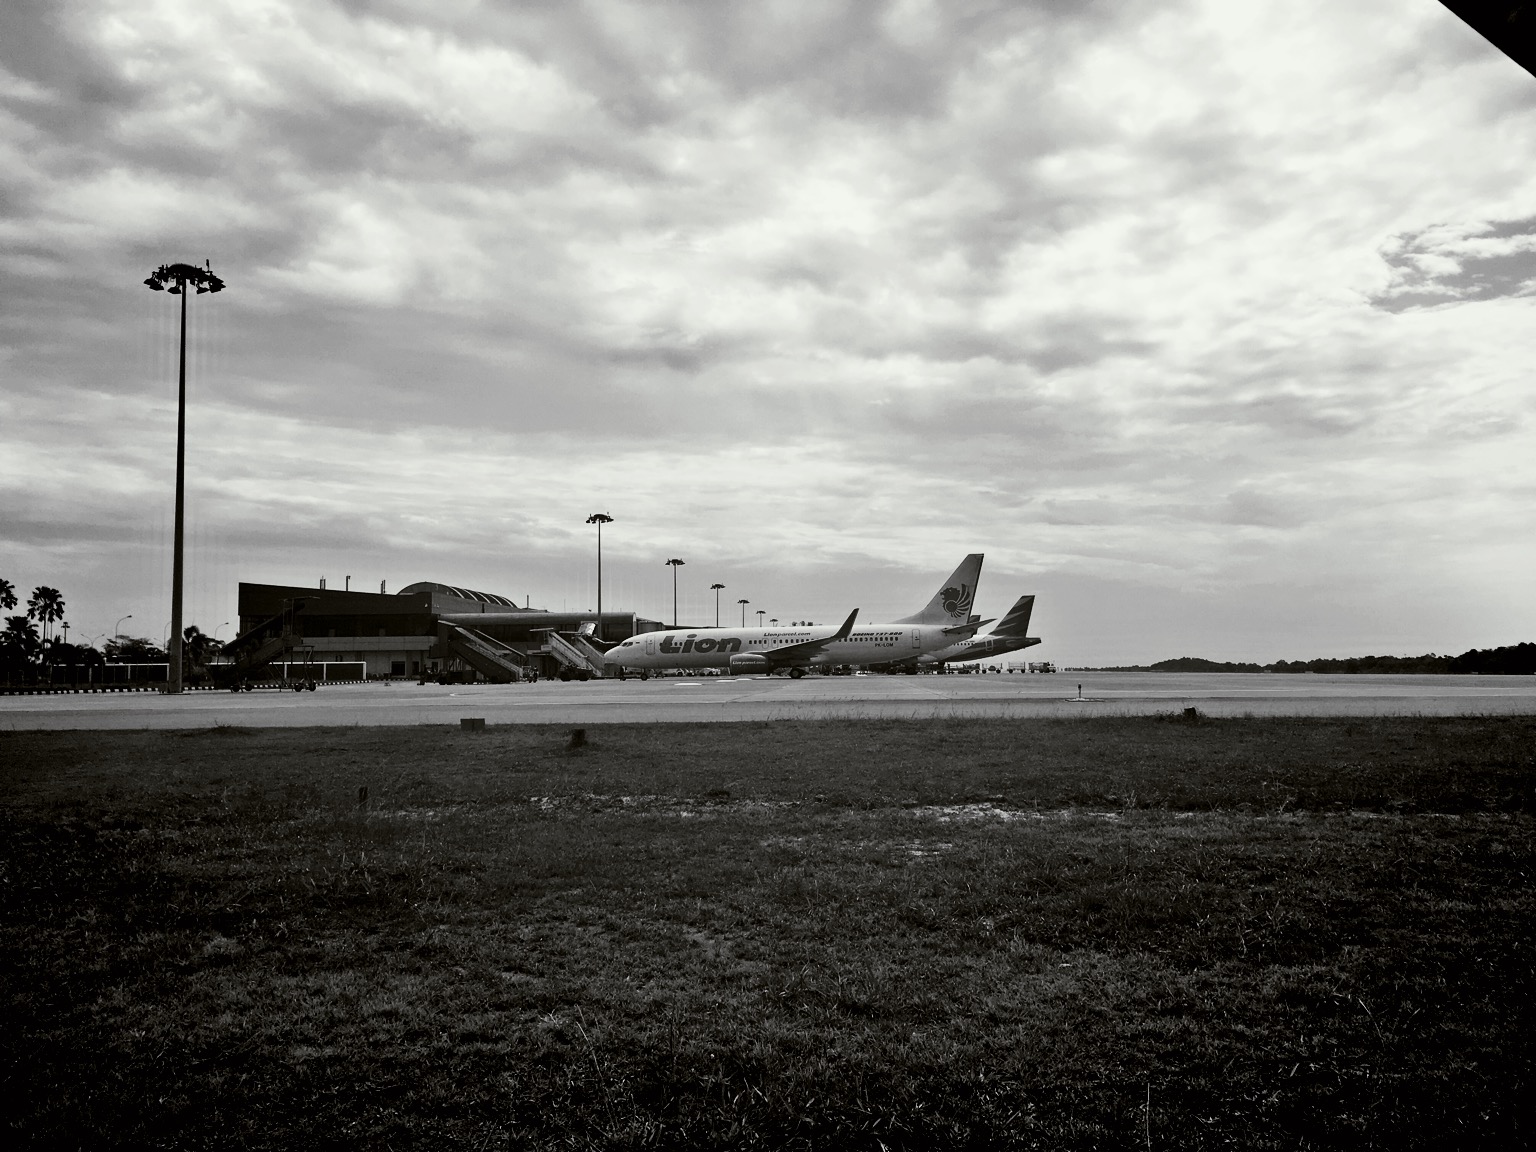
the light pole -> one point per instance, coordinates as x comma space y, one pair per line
716, 588
216, 630
760, 615
599, 518
743, 604
118, 631
176, 279
676, 564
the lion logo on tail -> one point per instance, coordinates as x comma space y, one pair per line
957, 601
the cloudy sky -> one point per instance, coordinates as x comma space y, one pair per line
1209, 323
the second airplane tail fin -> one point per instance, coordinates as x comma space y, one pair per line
1016, 623
951, 604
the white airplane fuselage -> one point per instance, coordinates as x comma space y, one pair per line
716, 647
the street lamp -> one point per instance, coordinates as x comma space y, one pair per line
743, 604
676, 564
716, 588
760, 615
216, 630
176, 279
118, 631
599, 518
774, 620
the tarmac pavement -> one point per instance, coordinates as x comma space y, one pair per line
739, 698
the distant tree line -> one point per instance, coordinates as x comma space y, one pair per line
1513, 660
30, 649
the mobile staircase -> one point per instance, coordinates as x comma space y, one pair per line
497, 662
579, 658
257, 647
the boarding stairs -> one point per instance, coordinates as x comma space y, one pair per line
578, 657
497, 662
259, 646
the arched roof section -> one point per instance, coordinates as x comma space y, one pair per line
461, 593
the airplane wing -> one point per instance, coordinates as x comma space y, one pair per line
795, 653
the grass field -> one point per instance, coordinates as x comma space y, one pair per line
1258, 933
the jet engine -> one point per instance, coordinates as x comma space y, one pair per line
748, 662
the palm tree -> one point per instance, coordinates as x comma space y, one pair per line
46, 606
20, 639
198, 647
7, 594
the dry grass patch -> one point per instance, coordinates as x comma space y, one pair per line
1298, 933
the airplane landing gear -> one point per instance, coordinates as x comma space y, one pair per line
796, 673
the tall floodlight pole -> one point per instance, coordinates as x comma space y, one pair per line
599, 518
760, 614
743, 604
676, 564
176, 279
716, 588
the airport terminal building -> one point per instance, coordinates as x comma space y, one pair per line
430, 629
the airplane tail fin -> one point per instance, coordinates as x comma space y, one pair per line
951, 604
1016, 623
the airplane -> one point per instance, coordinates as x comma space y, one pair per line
1010, 635
943, 620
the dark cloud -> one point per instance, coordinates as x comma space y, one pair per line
1449, 264
81, 90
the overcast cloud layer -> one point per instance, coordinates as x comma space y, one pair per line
1210, 324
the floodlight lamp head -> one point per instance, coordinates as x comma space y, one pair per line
599, 518
174, 278
674, 562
